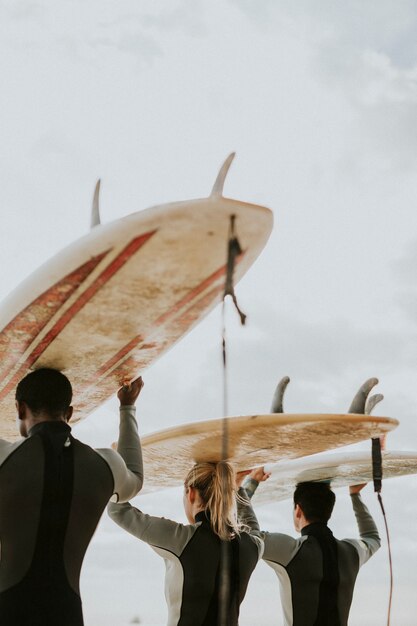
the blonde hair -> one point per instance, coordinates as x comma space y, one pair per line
215, 483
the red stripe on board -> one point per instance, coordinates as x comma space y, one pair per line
17, 336
191, 314
186, 319
164, 318
85, 297
191, 295
132, 364
125, 350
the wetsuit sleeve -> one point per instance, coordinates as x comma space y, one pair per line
369, 541
245, 512
250, 486
156, 531
126, 464
247, 517
278, 547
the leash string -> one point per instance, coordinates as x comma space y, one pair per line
377, 479
234, 250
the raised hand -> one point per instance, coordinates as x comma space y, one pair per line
128, 394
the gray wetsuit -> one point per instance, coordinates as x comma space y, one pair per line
192, 560
317, 572
53, 490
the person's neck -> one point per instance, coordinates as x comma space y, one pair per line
42, 419
303, 523
196, 510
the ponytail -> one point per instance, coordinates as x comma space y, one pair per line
215, 483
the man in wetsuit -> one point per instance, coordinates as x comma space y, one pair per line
53, 490
317, 572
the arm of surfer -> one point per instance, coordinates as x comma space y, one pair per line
128, 445
255, 477
370, 540
126, 465
278, 548
246, 514
158, 532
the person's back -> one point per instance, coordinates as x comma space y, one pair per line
209, 561
317, 572
53, 490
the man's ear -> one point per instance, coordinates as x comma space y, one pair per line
68, 413
298, 511
22, 409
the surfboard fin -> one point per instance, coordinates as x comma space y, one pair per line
95, 208
372, 401
359, 401
277, 401
221, 176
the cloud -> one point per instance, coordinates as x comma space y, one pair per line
367, 53
404, 270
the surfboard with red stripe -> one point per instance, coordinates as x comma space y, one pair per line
107, 306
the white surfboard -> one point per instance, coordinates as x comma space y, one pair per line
340, 469
107, 306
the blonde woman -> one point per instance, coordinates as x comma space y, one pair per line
208, 562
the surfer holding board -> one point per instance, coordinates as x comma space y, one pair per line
210, 560
53, 490
317, 572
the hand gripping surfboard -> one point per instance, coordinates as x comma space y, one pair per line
106, 307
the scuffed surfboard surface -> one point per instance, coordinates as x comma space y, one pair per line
251, 441
107, 306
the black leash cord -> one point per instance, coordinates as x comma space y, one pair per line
233, 252
377, 478
377, 464
391, 586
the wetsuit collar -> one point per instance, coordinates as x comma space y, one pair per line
317, 529
53, 427
202, 516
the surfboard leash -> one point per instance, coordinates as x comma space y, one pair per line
364, 403
377, 479
234, 250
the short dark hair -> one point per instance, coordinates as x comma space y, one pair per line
45, 390
316, 501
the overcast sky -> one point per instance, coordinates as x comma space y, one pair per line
320, 102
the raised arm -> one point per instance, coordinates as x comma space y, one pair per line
278, 548
156, 531
253, 479
245, 512
370, 540
126, 464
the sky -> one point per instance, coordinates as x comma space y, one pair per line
319, 100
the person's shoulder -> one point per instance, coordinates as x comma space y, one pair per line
109, 456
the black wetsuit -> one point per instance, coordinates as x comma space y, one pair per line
317, 572
53, 490
192, 556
